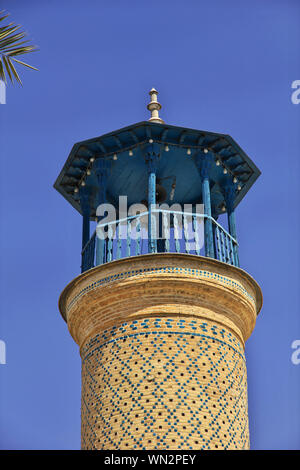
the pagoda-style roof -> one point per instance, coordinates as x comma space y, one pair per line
179, 146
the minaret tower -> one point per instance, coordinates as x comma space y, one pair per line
161, 310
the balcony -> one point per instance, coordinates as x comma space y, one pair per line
170, 232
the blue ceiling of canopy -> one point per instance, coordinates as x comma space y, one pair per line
129, 175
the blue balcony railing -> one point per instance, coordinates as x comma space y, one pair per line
172, 231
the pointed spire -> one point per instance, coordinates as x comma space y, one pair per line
154, 106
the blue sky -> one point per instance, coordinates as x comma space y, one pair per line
219, 66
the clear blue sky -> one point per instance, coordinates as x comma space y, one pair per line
219, 66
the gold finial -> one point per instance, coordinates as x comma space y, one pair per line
154, 106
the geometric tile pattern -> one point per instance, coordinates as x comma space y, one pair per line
164, 383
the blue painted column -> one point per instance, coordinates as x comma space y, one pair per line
229, 194
152, 155
152, 242
102, 168
204, 162
85, 208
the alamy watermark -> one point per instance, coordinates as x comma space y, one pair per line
295, 357
295, 97
133, 222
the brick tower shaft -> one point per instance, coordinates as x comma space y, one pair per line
162, 338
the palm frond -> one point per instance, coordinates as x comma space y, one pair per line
8, 48
3, 16
8, 31
23, 63
2, 74
11, 46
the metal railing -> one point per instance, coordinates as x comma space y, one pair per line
172, 231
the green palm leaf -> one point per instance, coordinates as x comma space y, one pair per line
11, 46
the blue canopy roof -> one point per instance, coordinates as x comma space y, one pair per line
129, 172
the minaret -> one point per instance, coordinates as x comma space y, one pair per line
161, 310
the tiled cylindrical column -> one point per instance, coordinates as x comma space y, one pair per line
162, 345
